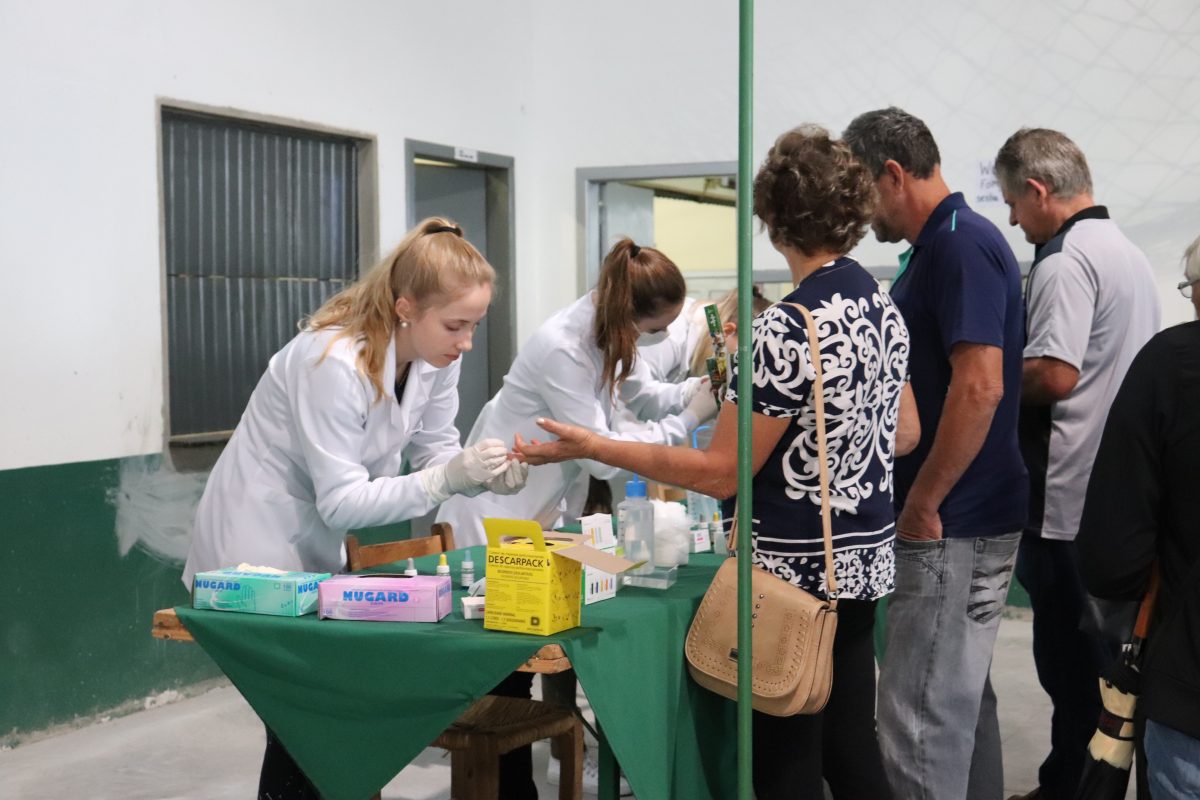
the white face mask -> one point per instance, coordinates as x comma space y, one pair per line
648, 339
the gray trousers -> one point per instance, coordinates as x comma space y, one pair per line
938, 730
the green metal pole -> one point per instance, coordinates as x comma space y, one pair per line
745, 389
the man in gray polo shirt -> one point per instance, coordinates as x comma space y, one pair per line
1091, 304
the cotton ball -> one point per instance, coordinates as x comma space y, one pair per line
672, 539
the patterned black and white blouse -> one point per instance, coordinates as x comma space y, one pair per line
864, 354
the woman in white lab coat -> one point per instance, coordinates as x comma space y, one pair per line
573, 367
369, 383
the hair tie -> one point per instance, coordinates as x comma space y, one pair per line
457, 231
634, 250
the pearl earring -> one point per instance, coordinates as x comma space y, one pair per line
403, 324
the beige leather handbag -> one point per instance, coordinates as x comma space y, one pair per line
792, 631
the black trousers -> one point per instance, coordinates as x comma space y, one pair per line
281, 778
1068, 660
793, 754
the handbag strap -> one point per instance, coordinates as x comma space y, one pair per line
814, 346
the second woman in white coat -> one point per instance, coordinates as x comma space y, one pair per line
572, 368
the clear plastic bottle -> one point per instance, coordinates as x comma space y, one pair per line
635, 529
701, 507
635, 522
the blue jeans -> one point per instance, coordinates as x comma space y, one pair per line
938, 730
1173, 759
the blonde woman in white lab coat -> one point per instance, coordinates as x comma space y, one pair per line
369, 383
574, 366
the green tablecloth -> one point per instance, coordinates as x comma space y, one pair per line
354, 702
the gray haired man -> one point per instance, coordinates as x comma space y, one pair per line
1091, 304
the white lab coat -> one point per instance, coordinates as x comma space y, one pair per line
557, 375
669, 361
315, 454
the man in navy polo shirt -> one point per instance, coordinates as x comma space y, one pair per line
962, 494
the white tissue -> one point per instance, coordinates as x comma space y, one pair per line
244, 567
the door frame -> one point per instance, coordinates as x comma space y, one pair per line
500, 207
587, 204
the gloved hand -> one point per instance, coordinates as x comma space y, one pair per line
509, 481
467, 472
692, 387
700, 409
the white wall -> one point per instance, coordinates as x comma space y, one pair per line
557, 86
656, 83
80, 308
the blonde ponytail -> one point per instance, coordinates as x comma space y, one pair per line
433, 262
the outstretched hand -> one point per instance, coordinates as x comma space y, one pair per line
573, 442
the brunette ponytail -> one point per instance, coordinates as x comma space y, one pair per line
635, 283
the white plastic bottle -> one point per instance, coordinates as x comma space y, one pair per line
635, 529
467, 573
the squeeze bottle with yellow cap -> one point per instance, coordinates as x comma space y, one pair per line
443, 568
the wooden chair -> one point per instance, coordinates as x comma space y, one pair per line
497, 725
494, 725
440, 540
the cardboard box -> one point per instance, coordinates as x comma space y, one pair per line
665, 492
281, 594
597, 531
386, 598
534, 578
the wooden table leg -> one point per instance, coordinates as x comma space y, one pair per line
570, 755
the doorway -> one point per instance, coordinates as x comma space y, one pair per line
686, 210
474, 189
689, 211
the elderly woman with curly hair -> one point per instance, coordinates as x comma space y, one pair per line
815, 201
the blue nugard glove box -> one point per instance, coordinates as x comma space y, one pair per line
281, 594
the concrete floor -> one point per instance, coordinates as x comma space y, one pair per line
209, 747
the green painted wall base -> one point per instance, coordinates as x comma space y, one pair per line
75, 626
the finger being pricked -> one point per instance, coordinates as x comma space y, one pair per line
534, 454
526, 450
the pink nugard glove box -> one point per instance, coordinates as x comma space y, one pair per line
385, 598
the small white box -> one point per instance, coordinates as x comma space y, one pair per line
472, 607
597, 584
